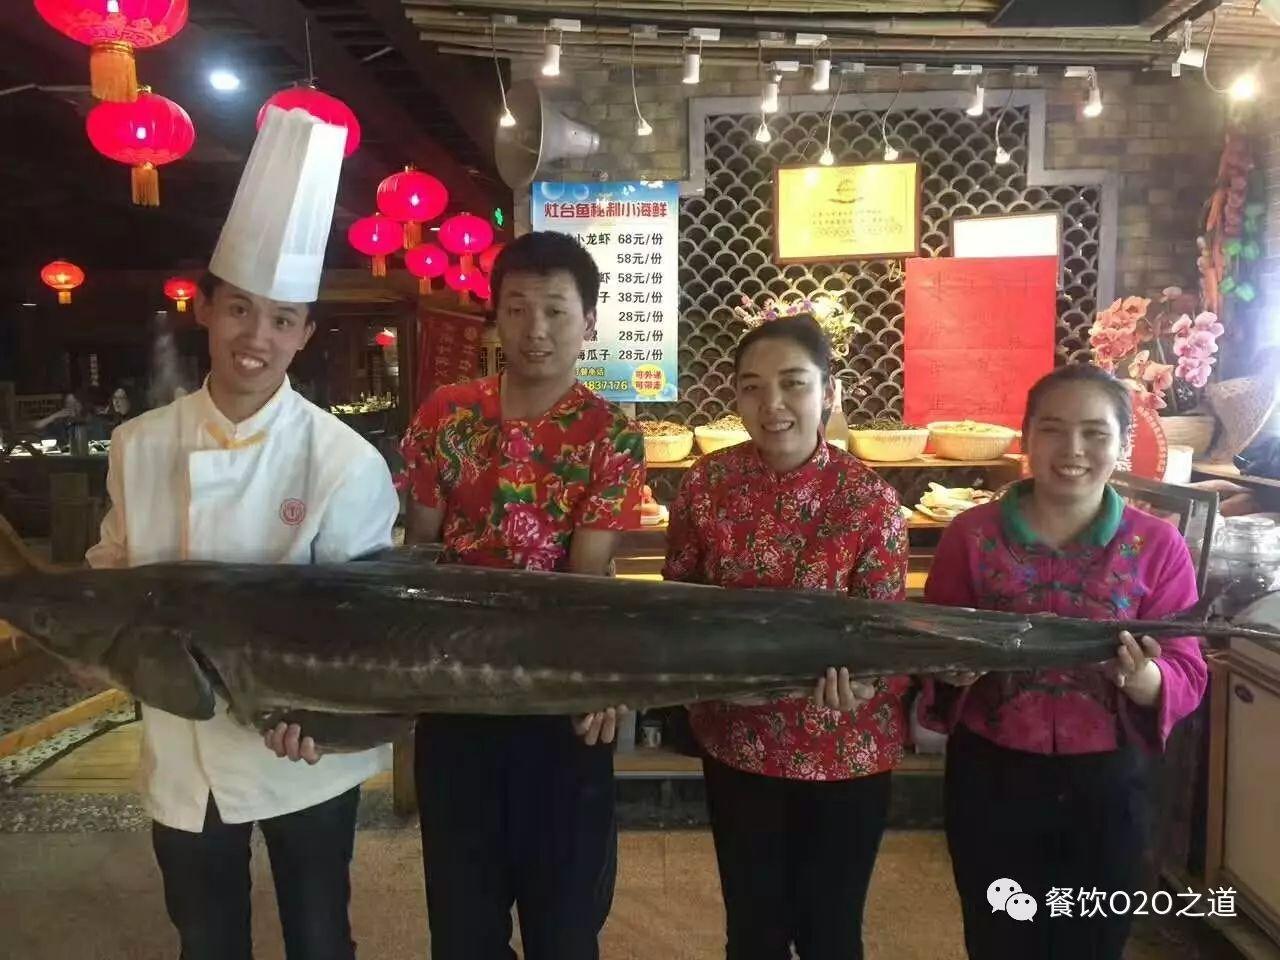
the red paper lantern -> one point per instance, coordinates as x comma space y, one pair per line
62, 276
426, 261
466, 235
146, 133
180, 290
459, 278
490, 257
320, 105
384, 338
375, 237
481, 287
413, 198
113, 29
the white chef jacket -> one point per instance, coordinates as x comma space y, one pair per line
292, 484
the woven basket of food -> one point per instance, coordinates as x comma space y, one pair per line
970, 440
666, 442
887, 441
718, 434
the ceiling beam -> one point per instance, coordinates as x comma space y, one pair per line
345, 77
471, 98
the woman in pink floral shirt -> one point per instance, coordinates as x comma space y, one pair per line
798, 787
1044, 769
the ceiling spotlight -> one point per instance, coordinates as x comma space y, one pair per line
828, 158
551, 60
224, 81
693, 67
979, 102
508, 119
1244, 87
1093, 107
1003, 156
890, 154
1175, 69
769, 100
762, 132
642, 128
821, 75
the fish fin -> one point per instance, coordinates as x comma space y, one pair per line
159, 670
15, 555
343, 732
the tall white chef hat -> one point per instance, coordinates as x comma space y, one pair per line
273, 241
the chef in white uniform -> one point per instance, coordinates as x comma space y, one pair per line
245, 469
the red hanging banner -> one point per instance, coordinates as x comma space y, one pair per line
448, 350
979, 333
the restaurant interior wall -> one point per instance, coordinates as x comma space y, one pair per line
1157, 143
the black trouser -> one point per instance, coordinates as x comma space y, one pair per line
515, 810
1060, 821
206, 881
795, 860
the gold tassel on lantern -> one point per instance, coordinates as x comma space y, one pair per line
64, 296
424, 286
113, 75
412, 234
379, 266
146, 185
182, 306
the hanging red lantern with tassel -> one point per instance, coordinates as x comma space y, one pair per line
490, 257
466, 235
113, 29
180, 290
481, 287
322, 106
145, 134
384, 338
413, 198
63, 276
377, 237
426, 261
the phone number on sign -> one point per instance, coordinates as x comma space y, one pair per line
596, 386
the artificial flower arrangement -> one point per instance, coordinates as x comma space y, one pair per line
1126, 340
838, 324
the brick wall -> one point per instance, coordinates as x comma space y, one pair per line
1160, 135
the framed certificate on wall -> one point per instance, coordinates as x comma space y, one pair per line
861, 211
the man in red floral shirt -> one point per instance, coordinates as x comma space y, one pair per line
526, 470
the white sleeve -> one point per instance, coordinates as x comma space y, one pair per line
361, 514
112, 548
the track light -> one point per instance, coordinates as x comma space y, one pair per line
979, 102
828, 158
762, 132
642, 128
821, 75
1244, 87
508, 119
1093, 107
642, 125
692, 68
551, 60
769, 100
890, 154
1003, 156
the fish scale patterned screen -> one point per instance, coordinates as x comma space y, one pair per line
726, 243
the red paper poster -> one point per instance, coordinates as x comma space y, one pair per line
448, 349
979, 333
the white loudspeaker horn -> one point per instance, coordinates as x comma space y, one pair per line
542, 135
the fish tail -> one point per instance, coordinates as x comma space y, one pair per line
16, 556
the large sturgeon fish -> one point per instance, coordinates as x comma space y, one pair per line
389, 640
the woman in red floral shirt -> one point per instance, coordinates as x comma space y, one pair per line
797, 787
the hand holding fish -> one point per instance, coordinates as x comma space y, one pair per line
837, 692
1134, 670
286, 740
599, 727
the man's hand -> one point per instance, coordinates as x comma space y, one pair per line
286, 740
599, 727
836, 691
